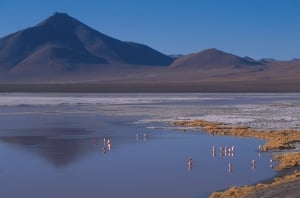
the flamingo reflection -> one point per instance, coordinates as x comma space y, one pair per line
229, 167
103, 150
109, 145
253, 164
190, 163
146, 136
137, 136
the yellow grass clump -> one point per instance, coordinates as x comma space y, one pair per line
288, 160
238, 192
280, 139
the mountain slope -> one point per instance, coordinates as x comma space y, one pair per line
64, 42
212, 59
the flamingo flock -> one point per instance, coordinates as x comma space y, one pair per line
228, 151
107, 143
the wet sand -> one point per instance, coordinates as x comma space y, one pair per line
286, 183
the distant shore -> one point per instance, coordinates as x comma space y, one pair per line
287, 182
158, 87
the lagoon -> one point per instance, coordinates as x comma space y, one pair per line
51, 145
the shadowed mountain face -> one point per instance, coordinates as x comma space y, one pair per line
213, 58
60, 42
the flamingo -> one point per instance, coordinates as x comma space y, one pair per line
190, 161
233, 148
146, 135
253, 162
259, 147
214, 149
108, 141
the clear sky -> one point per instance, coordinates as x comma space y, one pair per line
256, 28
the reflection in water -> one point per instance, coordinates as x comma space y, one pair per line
57, 150
109, 146
41, 130
104, 150
214, 154
63, 150
137, 137
253, 164
229, 167
146, 136
58, 145
190, 163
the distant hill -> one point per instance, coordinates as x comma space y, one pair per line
62, 43
213, 58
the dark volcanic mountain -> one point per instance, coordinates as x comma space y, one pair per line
212, 59
63, 43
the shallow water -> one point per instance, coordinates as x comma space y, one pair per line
51, 146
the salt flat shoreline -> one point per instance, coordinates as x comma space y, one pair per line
287, 181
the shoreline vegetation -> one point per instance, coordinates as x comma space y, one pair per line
276, 140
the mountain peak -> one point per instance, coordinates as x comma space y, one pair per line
212, 51
67, 43
61, 14
59, 18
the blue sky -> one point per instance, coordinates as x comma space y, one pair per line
256, 28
